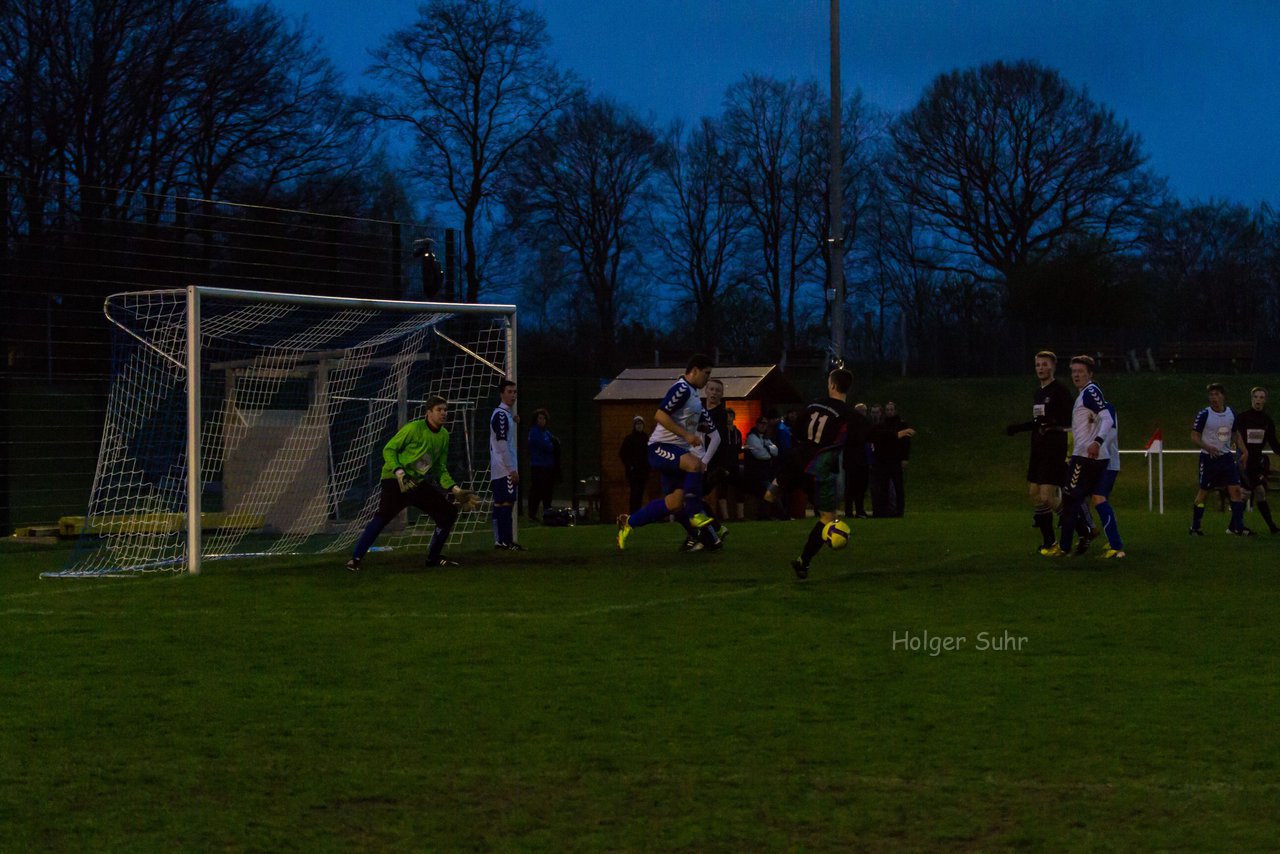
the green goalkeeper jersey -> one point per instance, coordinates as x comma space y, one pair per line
422, 452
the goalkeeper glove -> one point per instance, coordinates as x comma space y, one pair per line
465, 498
403, 479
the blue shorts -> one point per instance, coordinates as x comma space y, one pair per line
504, 491
1106, 481
1217, 472
664, 458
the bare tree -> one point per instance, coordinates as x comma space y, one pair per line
695, 223
122, 99
1008, 162
582, 186
1214, 263
266, 106
473, 81
775, 130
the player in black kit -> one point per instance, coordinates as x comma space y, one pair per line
823, 431
1259, 431
1050, 421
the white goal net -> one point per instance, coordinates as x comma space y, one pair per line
276, 439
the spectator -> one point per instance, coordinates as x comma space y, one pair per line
758, 465
857, 468
715, 478
782, 431
733, 465
634, 454
542, 463
891, 446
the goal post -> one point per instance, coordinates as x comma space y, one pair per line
252, 423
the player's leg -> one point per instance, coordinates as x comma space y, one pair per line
436, 504
1044, 496
1074, 495
1237, 526
1227, 476
1107, 514
812, 545
1205, 484
1259, 482
504, 503
828, 486
665, 459
390, 502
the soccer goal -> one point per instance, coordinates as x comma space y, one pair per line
244, 423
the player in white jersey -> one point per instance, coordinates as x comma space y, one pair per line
1091, 427
1102, 490
1214, 432
681, 423
504, 470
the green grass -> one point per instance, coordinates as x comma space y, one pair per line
575, 698
571, 698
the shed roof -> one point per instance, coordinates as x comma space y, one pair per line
741, 382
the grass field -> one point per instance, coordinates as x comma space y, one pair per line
575, 698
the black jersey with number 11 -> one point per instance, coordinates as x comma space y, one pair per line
827, 425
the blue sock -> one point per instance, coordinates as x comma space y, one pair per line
367, 536
438, 539
693, 492
655, 511
1109, 526
1197, 513
1237, 515
504, 529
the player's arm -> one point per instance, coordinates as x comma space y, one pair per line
1244, 449
1269, 438
1197, 433
1106, 424
663, 418
442, 466
713, 444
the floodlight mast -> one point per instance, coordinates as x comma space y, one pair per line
835, 242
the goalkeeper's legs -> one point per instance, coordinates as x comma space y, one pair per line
444, 513
390, 503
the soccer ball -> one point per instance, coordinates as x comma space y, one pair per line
836, 534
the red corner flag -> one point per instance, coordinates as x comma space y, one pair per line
1155, 445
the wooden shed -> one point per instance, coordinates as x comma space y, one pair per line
748, 390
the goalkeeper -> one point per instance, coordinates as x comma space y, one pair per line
414, 472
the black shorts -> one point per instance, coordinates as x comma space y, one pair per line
1047, 468
1257, 474
427, 497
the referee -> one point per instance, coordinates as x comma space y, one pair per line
1258, 431
1050, 421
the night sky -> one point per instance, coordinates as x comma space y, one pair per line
1199, 81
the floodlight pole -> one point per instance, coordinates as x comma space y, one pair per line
835, 242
